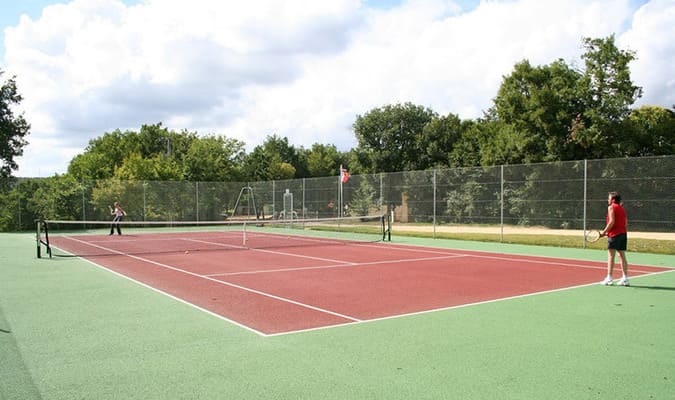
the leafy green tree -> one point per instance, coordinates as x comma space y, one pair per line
608, 94
265, 161
105, 154
102, 156
282, 170
388, 137
213, 158
13, 128
554, 112
278, 146
363, 198
466, 152
648, 131
57, 197
437, 140
536, 107
10, 200
324, 160
157, 168
505, 144
256, 166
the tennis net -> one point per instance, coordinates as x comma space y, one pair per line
57, 238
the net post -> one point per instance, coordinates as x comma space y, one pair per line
40, 224
390, 218
386, 227
37, 238
47, 244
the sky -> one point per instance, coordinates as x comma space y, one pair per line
301, 69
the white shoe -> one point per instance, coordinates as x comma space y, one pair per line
623, 282
607, 281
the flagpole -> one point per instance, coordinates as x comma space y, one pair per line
340, 192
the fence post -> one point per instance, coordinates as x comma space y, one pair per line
381, 189
501, 204
197, 198
585, 200
19, 198
434, 208
145, 211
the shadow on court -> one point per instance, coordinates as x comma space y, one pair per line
652, 287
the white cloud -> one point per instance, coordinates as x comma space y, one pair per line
301, 69
651, 37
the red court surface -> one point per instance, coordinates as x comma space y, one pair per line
295, 288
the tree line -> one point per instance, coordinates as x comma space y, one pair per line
554, 112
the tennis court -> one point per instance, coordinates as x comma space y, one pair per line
427, 319
285, 281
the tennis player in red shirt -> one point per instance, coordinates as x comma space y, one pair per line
617, 238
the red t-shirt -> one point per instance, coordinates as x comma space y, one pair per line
619, 220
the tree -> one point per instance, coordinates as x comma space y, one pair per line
388, 137
282, 171
105, 154
13, 128
553, 112
438, 138
57, 197
324, 160
265, 161
100, 157
502, 143
256, 165
213, 158
362, 200
466, 152
536, 107
608, 93
157, 168
648, 131
610, 89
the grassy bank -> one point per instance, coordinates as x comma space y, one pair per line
640, 245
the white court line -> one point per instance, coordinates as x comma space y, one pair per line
354, 319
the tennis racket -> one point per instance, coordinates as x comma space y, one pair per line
592, 236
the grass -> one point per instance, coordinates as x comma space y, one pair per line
637, 245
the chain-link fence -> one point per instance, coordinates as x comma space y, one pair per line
560, 195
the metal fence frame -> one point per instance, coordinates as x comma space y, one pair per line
557, 195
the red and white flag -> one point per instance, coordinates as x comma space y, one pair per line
344, 175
